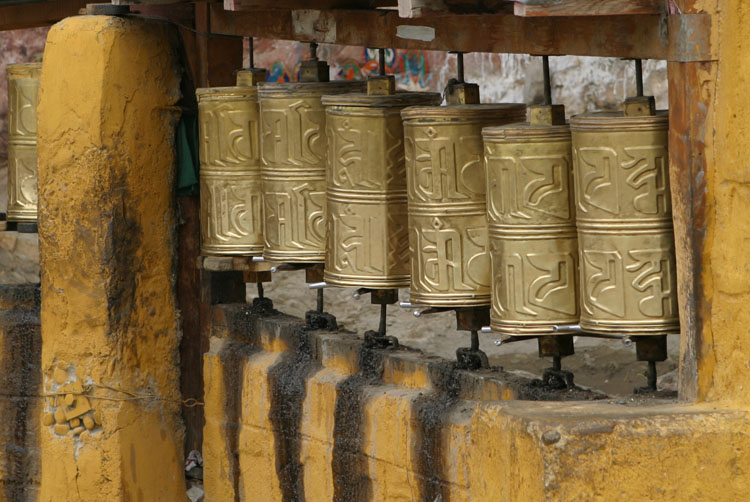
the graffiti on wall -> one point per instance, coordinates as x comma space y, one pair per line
283, 60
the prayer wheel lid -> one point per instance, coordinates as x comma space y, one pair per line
598, 121
398, 100
25, 70
239, 92
481, 111
286, 89
524, 130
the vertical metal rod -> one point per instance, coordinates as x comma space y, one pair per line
260, 290
383, 312
474, 340
547, 81
320, 301
460, 67
313, 51
252, 53
557, 363
638, 77
652, 375
381, 61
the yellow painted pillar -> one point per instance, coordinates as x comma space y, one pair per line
709, 121
107, 241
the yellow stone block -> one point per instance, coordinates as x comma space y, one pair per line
106, 121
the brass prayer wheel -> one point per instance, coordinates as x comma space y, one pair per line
450, 264
294, 147
23, 87
368, 240
532, 227
230, 185
624, 218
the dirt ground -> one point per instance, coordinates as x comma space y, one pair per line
605, 365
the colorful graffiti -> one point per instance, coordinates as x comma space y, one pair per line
410, 67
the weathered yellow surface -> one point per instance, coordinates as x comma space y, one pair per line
106, 227
723, 367
318, 420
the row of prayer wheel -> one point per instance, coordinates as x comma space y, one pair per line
550, 223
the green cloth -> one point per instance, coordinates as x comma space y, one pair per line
187, 154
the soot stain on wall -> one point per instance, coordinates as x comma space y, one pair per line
430, 411
287, 380
351, 479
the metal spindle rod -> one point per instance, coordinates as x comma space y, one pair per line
320, 301
652, 375
638, 77
260, 290
460, 67
474, 340
547, 81
252, 55
557, 363
381, 61
383, 312
313, 51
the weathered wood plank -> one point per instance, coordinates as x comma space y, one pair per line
236, 5
31, 15
609, 36
529, 8
419, 8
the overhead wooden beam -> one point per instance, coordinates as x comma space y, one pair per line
530, 8
609, 36
236, 5
32, 15
420, 8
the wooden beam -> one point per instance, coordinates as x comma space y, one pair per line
43, 13
235, 5
610, 36
420, 8
529, 8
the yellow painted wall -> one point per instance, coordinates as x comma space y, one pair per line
487, 449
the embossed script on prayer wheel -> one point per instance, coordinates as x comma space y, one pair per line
293, 145
23, 87
231, 203
368, 240
532, 232
626, 242
450, 264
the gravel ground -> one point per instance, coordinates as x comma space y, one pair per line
605, 365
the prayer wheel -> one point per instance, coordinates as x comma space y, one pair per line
450, 264
230, 188
368, 240
532, 226
23, 87
626, 243
294, 147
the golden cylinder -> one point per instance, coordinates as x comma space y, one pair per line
368, 240
294, 148
23, 88
532, 228
230, 186
450, 264
624, 218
